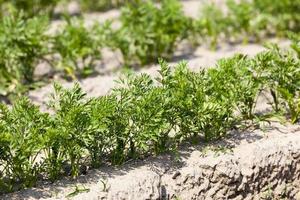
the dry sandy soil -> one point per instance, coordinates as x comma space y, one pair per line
256, 163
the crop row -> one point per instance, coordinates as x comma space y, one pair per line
143, 116
146, 33
36, 7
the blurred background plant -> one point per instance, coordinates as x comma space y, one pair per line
23, 43
149, 31
78, 48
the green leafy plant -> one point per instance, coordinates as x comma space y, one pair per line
247, 20
149, 32
194, 110
78, 47
31, 8
280, 72
71, 124
235, 81
285, 14
140, 102
21, 130
101, 5
184, 96
211, 24
23, 43
295, 38
293, 103
77, 190
100, 139
217, 111
239, 16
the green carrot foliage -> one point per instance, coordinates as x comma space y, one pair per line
23, 43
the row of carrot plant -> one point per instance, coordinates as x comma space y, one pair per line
36, 7
147, 31
142, 116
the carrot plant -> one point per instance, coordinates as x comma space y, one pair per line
280, 72
235, 79
292, 101
295, 38
185, 96
101, 5
195, 111
78, 48
240, 15
54, 156
23, 43
100, 139
31, 8
142, 102
148, 32
212, 24
71, 124
246, 19
21, 130
285, 13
